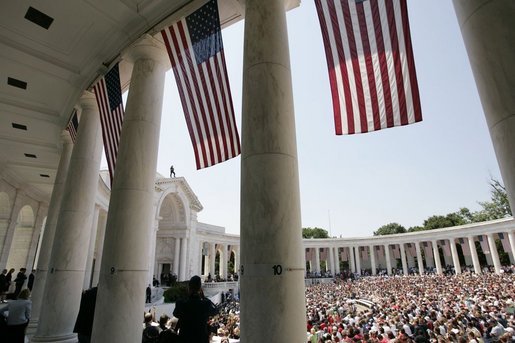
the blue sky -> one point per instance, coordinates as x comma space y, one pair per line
352, 185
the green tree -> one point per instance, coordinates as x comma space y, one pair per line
314, 232
498, 207
438, 222
416, 228
390, 229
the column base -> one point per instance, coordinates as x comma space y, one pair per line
32, 327
70, 338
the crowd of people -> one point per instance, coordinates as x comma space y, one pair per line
428, 308
15, 314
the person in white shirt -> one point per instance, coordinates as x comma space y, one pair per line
18, 317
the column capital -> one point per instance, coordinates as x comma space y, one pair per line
65, 137
147, 47
88, 101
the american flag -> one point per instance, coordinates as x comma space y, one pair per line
195, 49
73, 126
371, 65
109, 98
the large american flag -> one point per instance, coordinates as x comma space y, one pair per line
371, 65
73, 126
195, 48
109, 98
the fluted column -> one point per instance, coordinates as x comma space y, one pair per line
153, 268
403, 259
184, 250
177, 254
455, 258
372, 259
388, 260
419, 259
237, 260
494, 253
436, 255
49, 233
68, 260
124, 269
488, 31
473, 253
352, 260
212, 259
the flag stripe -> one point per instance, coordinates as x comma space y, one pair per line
203, 85
367, 53
370, 62
190, 121
417, 111
73, 126
111, 119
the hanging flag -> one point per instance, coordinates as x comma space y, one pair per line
464, 246
412, 250
395, 251
371, 65
195, 48
484, 244
446, 248
109, 99
505, 242
73, 126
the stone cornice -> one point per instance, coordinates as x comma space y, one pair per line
462, 231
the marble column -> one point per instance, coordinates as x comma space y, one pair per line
488, 31
99, 247
13, 220
494, 253
511, 239
205, 253
336, 260
473, 253
352, 260
331, 260
403, 259
31, 255
212, 259
388, 260
91, 250
177, 254
154, 270
455, 258
358, 259
184, 249
271, 240
237, 261
372, 259
317, 260
124, 269
419, 259
68, 260
436, 256
49, 232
